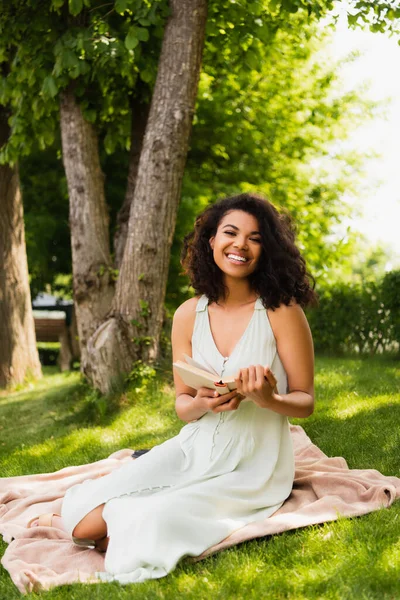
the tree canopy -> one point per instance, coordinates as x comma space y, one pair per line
267, 112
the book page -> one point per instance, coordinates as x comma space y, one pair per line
205, 367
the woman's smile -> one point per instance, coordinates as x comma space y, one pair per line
237, 259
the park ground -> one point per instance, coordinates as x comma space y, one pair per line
58, 421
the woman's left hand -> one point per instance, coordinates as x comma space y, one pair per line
258, 383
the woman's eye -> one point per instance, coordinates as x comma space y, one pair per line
258, 240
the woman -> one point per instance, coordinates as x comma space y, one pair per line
233, 462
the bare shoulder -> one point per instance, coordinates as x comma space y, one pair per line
187, 310
287, 317
182, 326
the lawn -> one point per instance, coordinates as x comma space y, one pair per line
58, 421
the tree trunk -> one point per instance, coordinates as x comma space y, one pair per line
93, 283
140, 112
18, 353
133, 332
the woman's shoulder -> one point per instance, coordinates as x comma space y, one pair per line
287, 317
187, 310
184, 318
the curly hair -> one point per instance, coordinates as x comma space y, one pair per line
280, 276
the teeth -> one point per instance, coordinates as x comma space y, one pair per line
235, 257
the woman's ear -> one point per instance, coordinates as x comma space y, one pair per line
211, 240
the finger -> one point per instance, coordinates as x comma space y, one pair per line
270, 377
223, 398
231, 405
238, 382
259, 376
228, 395
245, 379
207, 392
252, 377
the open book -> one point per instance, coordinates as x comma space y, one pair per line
196, 376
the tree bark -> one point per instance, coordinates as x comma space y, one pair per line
140, 112
93, 283
133, 332
19, 357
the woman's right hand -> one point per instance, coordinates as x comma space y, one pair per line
211, 400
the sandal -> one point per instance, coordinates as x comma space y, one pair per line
44, 520
84, 542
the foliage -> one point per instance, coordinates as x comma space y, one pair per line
391, 300
108, 51
140, 376
357, 416
270, 126
48, 352
358, 318
47, 234
102, 51
265, 116
96, 407
378, 15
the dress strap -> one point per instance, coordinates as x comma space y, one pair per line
259, 305
202, 303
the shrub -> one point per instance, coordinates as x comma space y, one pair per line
358, 318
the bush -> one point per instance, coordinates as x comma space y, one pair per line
391, 300
48, 353
358, 318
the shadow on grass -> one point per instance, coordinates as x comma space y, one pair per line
49, 429
27, 416
52, 428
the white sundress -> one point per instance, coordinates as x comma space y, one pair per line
218, 474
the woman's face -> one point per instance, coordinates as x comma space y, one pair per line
237, 244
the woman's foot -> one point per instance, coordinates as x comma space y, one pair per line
54, 520
92, 530
47, 520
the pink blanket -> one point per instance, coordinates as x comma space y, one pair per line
44, 557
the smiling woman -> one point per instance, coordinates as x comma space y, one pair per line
232, 463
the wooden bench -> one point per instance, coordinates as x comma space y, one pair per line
52, 326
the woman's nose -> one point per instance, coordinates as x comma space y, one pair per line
240, 243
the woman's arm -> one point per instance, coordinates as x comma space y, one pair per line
295, 349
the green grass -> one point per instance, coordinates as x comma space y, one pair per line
59, 421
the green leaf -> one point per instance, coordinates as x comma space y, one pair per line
90, 115
49, 87
352, 19
69, 59
146, 76
273, 5
131, 41
142, 34
121, 6
109, 143
75, 6
57, 4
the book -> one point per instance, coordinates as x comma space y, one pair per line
196, 376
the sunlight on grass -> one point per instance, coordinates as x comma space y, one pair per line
351, 404
390, 558
53, 423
